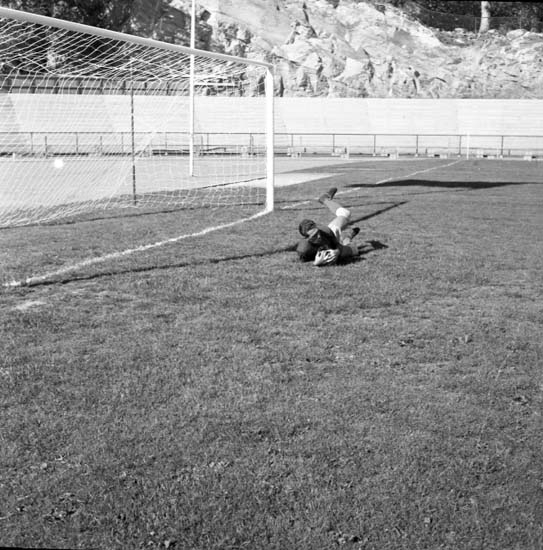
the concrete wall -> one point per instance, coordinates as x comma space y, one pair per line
333, 122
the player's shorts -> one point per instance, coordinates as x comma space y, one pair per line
340, 222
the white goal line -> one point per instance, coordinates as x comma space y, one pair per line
115, 255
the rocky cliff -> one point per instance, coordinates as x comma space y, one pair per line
343, 48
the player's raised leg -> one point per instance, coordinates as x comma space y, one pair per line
342, 215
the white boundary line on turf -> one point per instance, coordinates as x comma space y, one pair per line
380, 182
418, 172
114, 255
296, 204
129, 251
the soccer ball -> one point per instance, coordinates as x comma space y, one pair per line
58, 164
326, 257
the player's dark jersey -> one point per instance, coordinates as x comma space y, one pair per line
323, 237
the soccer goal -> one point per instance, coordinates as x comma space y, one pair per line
94, 120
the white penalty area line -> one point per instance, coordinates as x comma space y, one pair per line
115, 255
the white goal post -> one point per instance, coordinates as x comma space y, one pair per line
93, 119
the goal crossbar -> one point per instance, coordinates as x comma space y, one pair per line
124, 37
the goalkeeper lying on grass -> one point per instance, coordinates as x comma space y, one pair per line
331, 244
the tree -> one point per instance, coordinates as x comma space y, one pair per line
505, 15
107, 14
151, 18
485, 17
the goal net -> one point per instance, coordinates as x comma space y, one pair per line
93, 120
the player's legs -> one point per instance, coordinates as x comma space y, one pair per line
349, 234
327, 199
342, 218
342, 215
340, 222
347, 249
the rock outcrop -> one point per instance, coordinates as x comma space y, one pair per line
343, 48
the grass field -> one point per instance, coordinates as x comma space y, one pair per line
215, 393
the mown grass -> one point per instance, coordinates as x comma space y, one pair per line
217, 393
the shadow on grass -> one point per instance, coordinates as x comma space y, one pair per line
438, 184
367, 247
364, 250
378, 212
170, 265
